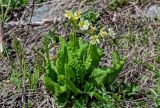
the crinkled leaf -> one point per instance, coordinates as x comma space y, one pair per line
61, 79
82, 51
69, 72
71, 86
115, 57
94, 55
61, 60
89, 89
91, 16
80, 70
53, 86
99, 97
108, 75
88, 63
50, 72
62, 41
73, 43
100, 75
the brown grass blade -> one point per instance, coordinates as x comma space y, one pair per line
1, 46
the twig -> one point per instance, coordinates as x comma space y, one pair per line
38, 53
22, 23
40, 106
32, 5
1, 46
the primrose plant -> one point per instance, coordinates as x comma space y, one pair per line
75, 73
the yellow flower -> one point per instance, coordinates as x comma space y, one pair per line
103, 33
94, 40
93, 29
68, 14
77, 15
84, 24
72, 16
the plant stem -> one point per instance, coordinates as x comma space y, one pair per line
99, 97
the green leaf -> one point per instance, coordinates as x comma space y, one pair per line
88, 62
101, 76
95, 56
15, 78
82, 51
81, 43
69, 73
50, 72
62, 100
115, 58
91, 16
71, 86
34, 78
53, 86
77, 66
79, 103
62, 41
23, 2
99, 97
61, 79
108, 75
80, 70
61, 61
73, 43
89, 89
158, 59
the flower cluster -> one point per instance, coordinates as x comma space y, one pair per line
85, 25
95, 39
73, 17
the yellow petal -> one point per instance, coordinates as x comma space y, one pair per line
68, 14
77, 15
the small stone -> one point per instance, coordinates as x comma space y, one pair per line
153, 11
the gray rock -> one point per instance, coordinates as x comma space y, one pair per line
152, 11
39, 13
